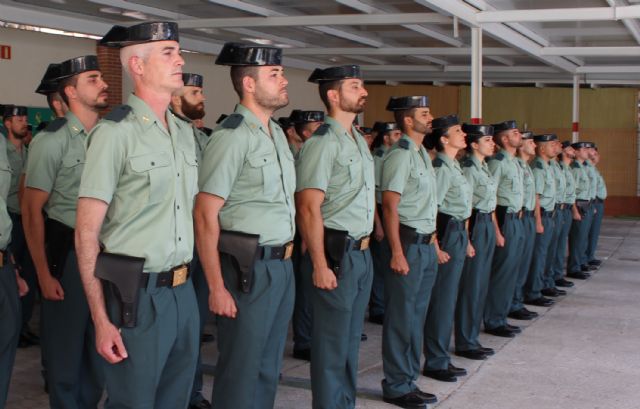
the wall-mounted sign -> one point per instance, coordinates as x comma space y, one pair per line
5, 52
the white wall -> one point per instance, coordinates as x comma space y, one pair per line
33, 51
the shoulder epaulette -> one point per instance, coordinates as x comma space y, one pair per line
322, 130
118, 113
467, 163
379, 153
56, 124
181, 117
404, 144
207, 131
498, 156
232, 121
437, 162
538, 165
575, 165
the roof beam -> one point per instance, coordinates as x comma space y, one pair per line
410, 51
559, 14
608, 69
631, 25
633, 51
459, 68
317, 20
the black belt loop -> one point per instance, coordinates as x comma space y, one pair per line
165, 278
283, 252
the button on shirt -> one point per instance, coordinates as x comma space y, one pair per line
16, 161
148, 176
409, 172
482, 184
56, 161
560, 181
509, 176
545, 184
528, 185
341, 166
255, 174
454, 192
570, 189
583, 181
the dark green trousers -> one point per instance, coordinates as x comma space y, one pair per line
536, 278
162, 349
302, 313
504, 273
202, 295
10, 323
579, 240
474, 285
594, 231
407, 298
564, 218
380, 254
251, 346
442, 306
338, 317
523, 265
75, 371
554, 243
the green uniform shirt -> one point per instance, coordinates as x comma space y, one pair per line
16, 161
545, 183
5, 182
509, 176
601, 190
454, 192
201, 140
342, 167
407, 170
560, 181
582, 179
482, 184
55, 166
255, 174
294, 150
148, 177
593, 179
528, 185
378, 158
570, 190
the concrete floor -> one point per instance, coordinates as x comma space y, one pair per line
581, 353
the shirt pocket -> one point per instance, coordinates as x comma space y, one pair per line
264, 168
420, 177
155, 170
190, 172
352, 169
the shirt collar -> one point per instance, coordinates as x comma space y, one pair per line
74, 124
143, 112
446, 159
476, 161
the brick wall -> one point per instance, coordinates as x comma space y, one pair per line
109, 59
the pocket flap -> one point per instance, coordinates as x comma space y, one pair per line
145, 163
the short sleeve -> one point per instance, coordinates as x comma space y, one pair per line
105, 160
45, 157
222, 162
443, 181
538, 177
395, 171
315, 163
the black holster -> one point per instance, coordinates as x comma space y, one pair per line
121, 277
501, 211
583, 207
407, 237
242, 248
59, 239
335, 247
442, 221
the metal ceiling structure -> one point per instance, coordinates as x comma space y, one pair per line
534, 42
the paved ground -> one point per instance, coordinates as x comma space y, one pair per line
581, 353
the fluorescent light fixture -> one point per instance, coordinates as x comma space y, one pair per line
135, 14
110, 10
261, 41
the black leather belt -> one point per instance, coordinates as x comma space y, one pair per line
277, 252
527, 213
358, 245
429, 238
176, 276
480, 215
560, 206
4, 258
546, 213
513, 215
598, 200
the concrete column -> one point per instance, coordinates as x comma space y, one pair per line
576, 109
476, 75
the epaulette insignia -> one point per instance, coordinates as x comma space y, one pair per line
56, 124
498, 156
467, 163
232, 121
437, 162
322, 130
207, 131
575, 165
404, 144
539, 165
379, 153
118, 113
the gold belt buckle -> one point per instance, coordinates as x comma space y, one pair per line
180, 276
288, 251
433, 238
364, 244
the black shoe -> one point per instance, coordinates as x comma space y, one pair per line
564, 283
552, 292
487, 351
578, 275
514, 328
443, 375
303, 354
474, 354
363, 337
521, 314
501, 332
428, 397
535, 314
205, 338
376, 319
410, 400
540, 302
595, 262
585, 267
560, 292
28, 339
203, 404
456, 371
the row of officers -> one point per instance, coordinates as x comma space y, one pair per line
138, 225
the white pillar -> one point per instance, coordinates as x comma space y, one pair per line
576, 109
476, 75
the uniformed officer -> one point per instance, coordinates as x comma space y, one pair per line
509, 242
305, 124
387, 133
335, 200
545, 188
188, 103
57, 157
583, 214
567, 213
454, 208
598, 204
593, 187
474, 282
408, 186
247, 182
49, 88
12, 286
135, 202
